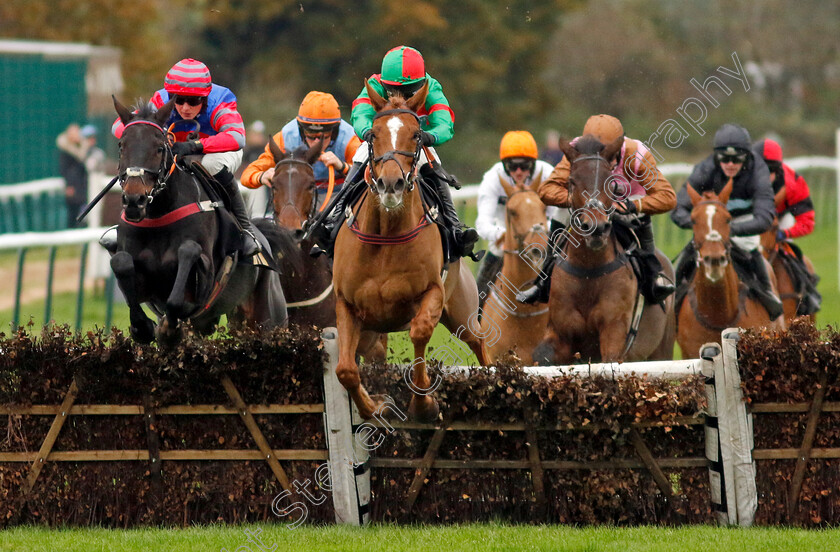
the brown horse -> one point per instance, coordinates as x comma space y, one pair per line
307, 281
716, 298
775, 251
593, 288
388, 271
516, 326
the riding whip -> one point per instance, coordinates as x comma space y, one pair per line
96, 200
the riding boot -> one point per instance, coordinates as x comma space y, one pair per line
322, 227
250, 244
463, 237
765, 290
656, 286
490, 267
109, 240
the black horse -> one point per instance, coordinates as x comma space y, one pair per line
177, 247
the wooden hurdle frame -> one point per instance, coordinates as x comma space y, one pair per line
727, 424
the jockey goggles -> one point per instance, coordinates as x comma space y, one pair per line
726, 158
525, 165
405, 90
189, 100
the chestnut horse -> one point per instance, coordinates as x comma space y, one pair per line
775, 251
388, 271
171, 249
306, 280
716, 297
516, 326
593, 288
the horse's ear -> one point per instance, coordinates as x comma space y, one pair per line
375, 99
508, 188
418, 100
569, 150
692, 193
275, 150
122, 111
535, 183
723, 196
163, 113
613, 149
314, 152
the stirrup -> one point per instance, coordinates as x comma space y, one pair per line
250, 244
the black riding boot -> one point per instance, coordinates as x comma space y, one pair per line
684, 266
490, 267
655, 285
765, 291
540, 290
250, 244
464, 238
322, 227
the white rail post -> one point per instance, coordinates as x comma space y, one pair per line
740, 431
710, 353
837, 193
349, 472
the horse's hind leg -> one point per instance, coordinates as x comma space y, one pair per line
188, 253
266, 306
423, 407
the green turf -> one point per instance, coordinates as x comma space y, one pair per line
483, 537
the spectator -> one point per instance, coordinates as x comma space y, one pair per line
72, 152
552, 154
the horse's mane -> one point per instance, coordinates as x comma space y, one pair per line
285, 248
145, 110
297, 153
589, 144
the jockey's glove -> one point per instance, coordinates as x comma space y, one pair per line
190, 147
627, 207
368, 135
427, 138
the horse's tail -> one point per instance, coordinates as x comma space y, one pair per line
284, 247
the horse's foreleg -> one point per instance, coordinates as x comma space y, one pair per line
142, 328
423, 407
188, 253
347, 371
612, 338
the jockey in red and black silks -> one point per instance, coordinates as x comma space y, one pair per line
794, 207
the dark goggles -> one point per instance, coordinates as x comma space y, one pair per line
189, 100
725, 158
526, 165
404, 90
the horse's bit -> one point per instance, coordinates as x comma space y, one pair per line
390, 155
161, 175
314, 203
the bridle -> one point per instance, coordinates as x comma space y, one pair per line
391, 154
592, 202
289, 203
520, 238
711, 236
161, 175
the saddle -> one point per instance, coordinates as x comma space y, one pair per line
804, 282
230, 237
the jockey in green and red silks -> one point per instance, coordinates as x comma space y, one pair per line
404, 73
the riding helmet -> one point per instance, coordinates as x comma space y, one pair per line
518, 143
403, 71
731, 139
319, 112
605, 128
188, 77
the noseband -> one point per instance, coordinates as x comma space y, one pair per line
390, 155
313, 204
161, 175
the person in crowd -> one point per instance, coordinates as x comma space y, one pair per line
318, 121
552, 153
72, 152
647, 192
221, 133
520, 168
750, 204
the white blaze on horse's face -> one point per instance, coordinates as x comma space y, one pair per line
710, 216
714, 265
394, 125
392, 200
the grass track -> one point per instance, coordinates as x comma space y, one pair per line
485, 537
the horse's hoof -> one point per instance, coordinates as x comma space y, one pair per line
169, 334
423, 409
144, 332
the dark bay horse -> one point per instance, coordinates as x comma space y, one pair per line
516, 326
172, 251
388, 270
716, 299
593, 287
306, 280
